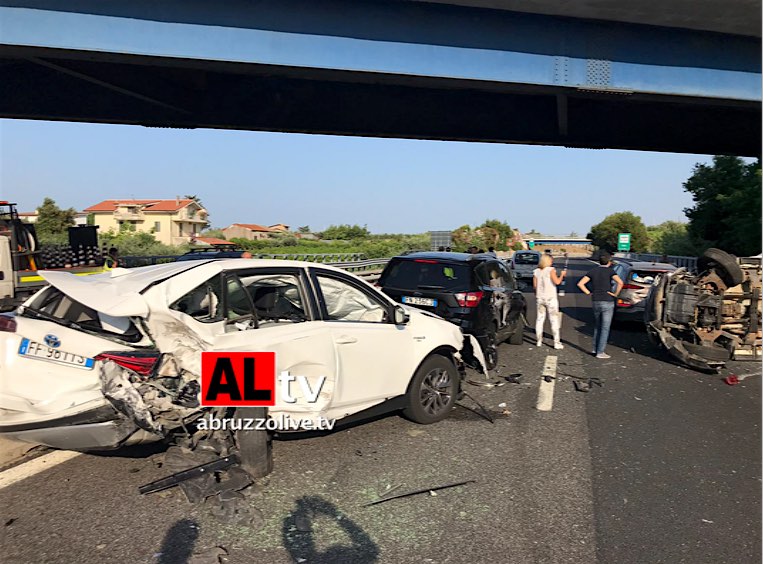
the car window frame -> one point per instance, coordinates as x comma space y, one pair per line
222, 305
303, 280
389, 306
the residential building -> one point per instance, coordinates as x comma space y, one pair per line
252, 231
31, 217
172, 222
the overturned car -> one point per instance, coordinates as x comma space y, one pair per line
104, 361
708, 318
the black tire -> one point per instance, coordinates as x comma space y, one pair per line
728, 269
432, 392
255, 447
654, 302
708, 353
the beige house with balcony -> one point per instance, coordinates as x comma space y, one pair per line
172, 222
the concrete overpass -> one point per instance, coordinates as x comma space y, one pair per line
682, 76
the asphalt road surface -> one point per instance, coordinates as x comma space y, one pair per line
660, 464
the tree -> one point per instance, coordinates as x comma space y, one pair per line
53, 222
604, 234
672, 238
503, 231
345, 232
303, 229
727, 205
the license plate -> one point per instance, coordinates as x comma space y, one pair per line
39, 351
419, 301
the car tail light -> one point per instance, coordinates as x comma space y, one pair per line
426, 261
7, 323
622, 303
141, 363
632, 287
469, 299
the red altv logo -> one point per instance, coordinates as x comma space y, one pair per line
238, 378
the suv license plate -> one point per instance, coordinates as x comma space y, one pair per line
38, 351
419, 301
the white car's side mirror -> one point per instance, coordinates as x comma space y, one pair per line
401, 317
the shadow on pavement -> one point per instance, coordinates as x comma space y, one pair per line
177, 546
300, 535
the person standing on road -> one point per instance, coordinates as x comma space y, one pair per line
545, 281
603, 300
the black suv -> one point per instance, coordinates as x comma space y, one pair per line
476, 292
213, 253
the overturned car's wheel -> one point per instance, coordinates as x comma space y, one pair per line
728, 269
712, 352
432, 392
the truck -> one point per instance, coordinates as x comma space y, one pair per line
21, 256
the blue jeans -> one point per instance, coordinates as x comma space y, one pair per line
602, 318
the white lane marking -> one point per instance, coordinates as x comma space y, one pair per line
546, 389
35, 466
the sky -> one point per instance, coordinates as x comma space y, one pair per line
390, 185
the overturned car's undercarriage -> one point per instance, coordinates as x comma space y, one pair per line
708, 318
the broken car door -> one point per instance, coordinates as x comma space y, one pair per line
375, 355
264, 310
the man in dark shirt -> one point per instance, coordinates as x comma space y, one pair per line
603, 300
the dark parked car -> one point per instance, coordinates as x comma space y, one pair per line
215, 253
637, 277
476, 292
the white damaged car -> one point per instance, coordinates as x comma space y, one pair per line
104, 361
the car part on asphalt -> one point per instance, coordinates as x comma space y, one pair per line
417, 492
202, 470
704, 320
586, 384
482, 411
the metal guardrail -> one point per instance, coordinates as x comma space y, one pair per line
690, 263
370, 269
133, 262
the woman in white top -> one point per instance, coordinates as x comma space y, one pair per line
545, 281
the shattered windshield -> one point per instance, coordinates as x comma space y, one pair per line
526, 258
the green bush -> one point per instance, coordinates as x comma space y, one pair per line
139, 244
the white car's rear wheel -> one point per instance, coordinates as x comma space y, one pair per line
432, 393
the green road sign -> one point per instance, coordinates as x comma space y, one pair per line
624, 242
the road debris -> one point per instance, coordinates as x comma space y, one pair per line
734, 379
482, 411
200, 480
214, 555
430, 491
587, 384
390, 489
513, 378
